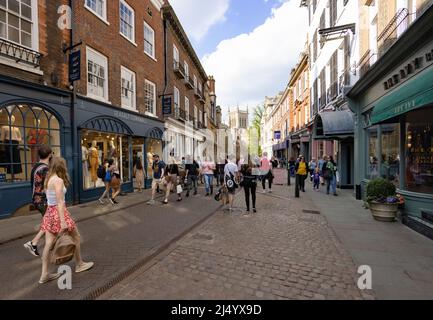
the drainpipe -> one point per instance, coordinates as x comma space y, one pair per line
75, 142
165, 76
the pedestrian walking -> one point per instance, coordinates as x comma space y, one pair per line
102, 174
139, 175
274, 163
316, 179
172, 175
39, 197
200, 175
249, 183
230, 179
192, 171
57, 219
114, 181
158, 168
292, 164
220, 171
320, 164
312, 165
208, 168
266, 172
302, 172
329, 173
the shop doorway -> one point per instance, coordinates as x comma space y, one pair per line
138, 157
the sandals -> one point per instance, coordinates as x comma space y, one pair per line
50, 277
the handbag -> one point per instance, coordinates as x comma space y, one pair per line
179, 189
63, 248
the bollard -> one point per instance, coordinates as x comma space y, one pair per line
297, 186
288, 177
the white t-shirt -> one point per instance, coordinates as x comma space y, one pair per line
230, 168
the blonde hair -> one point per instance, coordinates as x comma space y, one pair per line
58, 167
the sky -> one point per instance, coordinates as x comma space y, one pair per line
249, 46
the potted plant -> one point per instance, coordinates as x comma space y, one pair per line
382, 199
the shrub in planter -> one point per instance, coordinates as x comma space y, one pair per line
382, 199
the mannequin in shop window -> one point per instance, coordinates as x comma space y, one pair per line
11, 137
112, 152
94, 161
85, 164
150, 162
35, 138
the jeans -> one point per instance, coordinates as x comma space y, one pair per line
331, 183
267, 176
208, 180
192, 181
250, 188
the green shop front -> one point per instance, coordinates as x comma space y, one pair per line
393, 106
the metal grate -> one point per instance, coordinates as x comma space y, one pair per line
311, 211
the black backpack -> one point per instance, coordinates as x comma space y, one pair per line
101, 172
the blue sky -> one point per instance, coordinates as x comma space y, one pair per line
242, 17
249, 46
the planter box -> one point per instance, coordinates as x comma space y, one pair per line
386, 212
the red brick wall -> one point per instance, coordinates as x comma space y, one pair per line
53, 63
173, 80
107, 40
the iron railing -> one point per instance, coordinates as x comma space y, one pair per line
20, 53
389, 35
179, 69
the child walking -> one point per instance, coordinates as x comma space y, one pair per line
316, 179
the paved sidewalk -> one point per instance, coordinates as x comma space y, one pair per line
401, 259
280, 252
19, 227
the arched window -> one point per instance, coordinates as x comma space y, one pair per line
23, 129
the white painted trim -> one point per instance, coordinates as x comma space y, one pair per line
145, 24
158, 4
155, 97
35, 22
134, 98
129, 40
94, 97
133, 22
106, 87
96, 14
13, 64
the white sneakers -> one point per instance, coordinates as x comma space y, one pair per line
50, 277
84, 267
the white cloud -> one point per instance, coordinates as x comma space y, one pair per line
197, 17
251, 66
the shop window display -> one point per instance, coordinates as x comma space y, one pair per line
153, 147
23, 129
373, 160
97, 147
419, 151
390, 162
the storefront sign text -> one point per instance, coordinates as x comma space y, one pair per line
401, 108
129, 117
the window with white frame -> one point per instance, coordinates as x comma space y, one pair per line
200, 87
200, 115
127, 21
97, 74
186, 67
150, 97
175, 55
128, 89
187, 108
16, 22
205, 119
176, 99
195, 81
195, 113
98, 7
149, 40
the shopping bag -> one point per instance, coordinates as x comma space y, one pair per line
179, 189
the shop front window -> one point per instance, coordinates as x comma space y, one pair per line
96, 147
390, 162
373, 160
23, 129
419, 151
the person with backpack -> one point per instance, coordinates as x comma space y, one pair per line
39, 198
113, 177
158, 168
192, 171
329, 174
58, 220
230, 177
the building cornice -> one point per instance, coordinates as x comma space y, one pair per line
171, 17
299, 69
158, 4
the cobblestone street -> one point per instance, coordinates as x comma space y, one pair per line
280, 252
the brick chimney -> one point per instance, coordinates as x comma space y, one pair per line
211, 82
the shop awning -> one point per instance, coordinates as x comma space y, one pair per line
334, 125
413, 94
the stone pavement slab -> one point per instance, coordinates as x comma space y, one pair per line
278, 253
116, 242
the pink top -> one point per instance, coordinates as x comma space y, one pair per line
207, 167
265, 165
